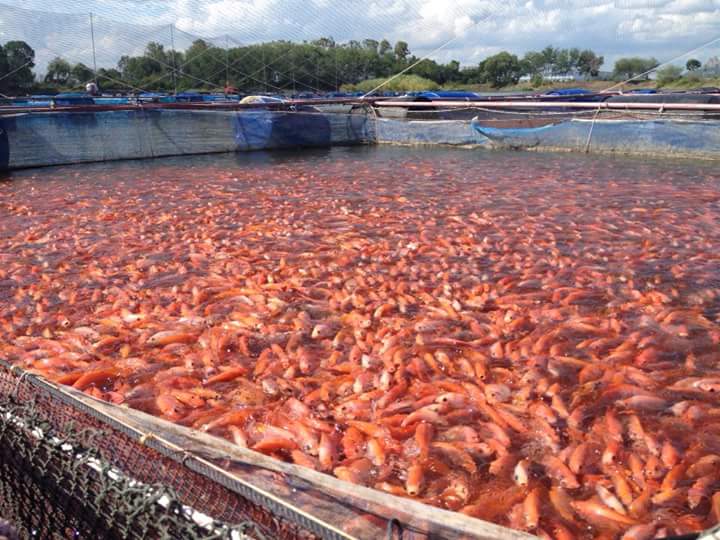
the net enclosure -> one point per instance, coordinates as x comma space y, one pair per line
32, 139
76, 467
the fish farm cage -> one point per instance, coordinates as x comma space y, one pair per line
72, 466
676, 125
75, 467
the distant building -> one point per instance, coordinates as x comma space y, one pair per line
568, 77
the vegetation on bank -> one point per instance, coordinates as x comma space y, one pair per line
325, 65
402, 83
320, 65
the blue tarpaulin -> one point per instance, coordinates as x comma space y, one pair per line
53, 138
568, 92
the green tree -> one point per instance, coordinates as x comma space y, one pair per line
325, 43
58, 72
563, 63
371, 45
693, 64
3, 65
473, 75
574, 55
502, 69
668, 74
385, 47
203, 66
629, 68
156, 51
402, 51
589, 63
550, 56
81, 74
19, 61
452, 72
111, 80
533, 63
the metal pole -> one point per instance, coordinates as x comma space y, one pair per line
227, 62
172, 44
265, 84
92, 37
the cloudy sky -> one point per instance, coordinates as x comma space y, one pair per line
477, 28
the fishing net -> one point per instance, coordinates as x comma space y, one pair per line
57, 137
75, 467
178, 52
63, 473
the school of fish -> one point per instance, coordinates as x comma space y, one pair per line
530, 340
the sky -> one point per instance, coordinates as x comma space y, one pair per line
469, 30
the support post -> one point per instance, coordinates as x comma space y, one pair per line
92, 38
172, 44
227, 62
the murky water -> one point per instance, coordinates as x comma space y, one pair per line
531, 339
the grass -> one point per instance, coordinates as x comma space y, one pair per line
688, 83
403, 83
683, 83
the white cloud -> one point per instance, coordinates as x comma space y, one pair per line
661, 28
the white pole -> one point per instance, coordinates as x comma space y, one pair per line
92, 37
172, 44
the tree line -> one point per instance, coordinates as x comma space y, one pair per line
320, 65
17, 59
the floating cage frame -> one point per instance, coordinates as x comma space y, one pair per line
72, 466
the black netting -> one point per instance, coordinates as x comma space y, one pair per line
60, 480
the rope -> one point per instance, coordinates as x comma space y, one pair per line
592, 126
16, 70
715, 40
393, 526
23, 375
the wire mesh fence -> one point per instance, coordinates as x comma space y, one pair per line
66, 474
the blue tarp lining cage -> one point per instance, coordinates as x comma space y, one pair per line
427, 132
650, 137
53, 138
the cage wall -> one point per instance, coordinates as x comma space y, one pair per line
419, 132
54, 138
